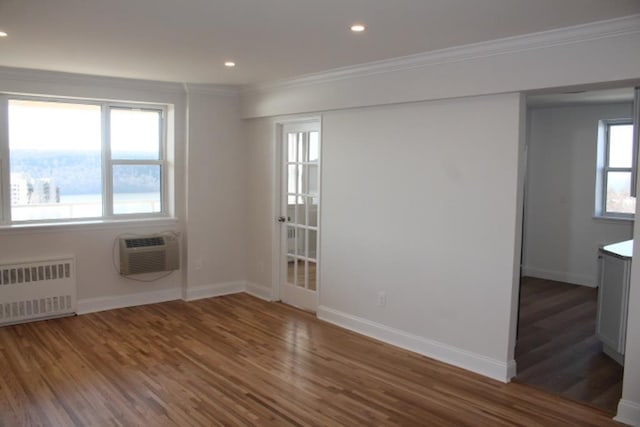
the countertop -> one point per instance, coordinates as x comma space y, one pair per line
620, 249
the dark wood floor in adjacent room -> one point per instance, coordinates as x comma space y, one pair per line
557, 349
237, 360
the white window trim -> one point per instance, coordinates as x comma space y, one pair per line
5, 173
107, 164
603, 169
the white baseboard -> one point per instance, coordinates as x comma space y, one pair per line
628, 413
259, 291
214, 290
560, 276
91, 305
474, 362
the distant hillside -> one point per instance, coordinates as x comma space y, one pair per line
80, 172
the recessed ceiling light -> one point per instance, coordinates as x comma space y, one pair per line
3, 34
229, 64
357, 28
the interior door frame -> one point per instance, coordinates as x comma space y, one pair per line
276, 184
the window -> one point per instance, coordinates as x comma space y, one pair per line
72, 160
613, 192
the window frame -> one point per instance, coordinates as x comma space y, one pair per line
5, 173
107, 162
603, 169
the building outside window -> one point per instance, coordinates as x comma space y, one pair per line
71, 160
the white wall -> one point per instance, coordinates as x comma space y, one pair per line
216, 203
209, 206
561, 235
261, 259
418, 201
99, 285
591, 56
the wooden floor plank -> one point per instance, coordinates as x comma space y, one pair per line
238, 360
557, 349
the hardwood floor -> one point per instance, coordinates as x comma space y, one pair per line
238, 360
557, 349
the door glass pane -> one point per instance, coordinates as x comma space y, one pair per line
302, 147
302, 211
302, 273
301, 171
314, 146
620, 146
292, 179
291, 240
312, 212
313, 243
304, 180
312, 275
135, 134
312, 186
618, 193
291, 270
136, 189
291, 147
301, 242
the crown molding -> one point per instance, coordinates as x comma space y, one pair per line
540, 40
57, 77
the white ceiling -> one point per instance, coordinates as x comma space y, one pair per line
188, 40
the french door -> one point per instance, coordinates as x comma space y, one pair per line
299, 214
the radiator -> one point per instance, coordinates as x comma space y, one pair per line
37, 290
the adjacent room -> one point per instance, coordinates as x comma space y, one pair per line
577, 201
319, 213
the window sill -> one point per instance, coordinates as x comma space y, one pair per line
613, 218
101, 224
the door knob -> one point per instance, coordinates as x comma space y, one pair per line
282, 219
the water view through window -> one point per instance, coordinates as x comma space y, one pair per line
57, 160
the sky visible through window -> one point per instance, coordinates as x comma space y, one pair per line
56, 159
620, 155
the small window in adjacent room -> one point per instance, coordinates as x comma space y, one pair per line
613, 183
78, 159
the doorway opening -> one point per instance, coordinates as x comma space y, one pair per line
558, 347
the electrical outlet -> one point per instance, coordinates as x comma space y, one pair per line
382, 299
198, 264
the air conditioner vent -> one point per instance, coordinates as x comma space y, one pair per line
149, 254
145, 242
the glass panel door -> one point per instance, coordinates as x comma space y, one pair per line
300, 214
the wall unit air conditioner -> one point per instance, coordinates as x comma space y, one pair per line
149, 254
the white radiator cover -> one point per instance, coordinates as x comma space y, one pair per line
35, 290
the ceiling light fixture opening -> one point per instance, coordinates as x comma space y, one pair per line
358, 28
229, 64
3, 34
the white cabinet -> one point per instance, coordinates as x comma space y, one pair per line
613, 298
